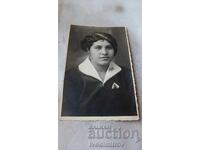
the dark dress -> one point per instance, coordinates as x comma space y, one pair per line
84, 95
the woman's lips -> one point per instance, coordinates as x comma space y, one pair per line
104, 57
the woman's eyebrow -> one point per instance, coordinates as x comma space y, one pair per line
98, 46
109, 46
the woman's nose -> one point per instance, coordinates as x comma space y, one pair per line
104, 51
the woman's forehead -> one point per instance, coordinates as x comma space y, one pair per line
102, 42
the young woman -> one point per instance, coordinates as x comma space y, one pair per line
98, 86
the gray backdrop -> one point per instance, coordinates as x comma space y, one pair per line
73, 135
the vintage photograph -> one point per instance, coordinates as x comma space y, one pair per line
99, 79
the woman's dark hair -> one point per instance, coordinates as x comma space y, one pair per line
87, 42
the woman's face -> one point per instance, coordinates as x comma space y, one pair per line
101, 53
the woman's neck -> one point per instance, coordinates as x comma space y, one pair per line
101, 70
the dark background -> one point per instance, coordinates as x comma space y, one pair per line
75, 55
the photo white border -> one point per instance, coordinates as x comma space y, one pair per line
88, 118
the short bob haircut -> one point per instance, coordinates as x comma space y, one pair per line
87, 42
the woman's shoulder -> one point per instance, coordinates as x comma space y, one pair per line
72, 73
125, 70
72, 70
126, 73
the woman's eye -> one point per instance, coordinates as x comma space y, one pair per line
109, 47
98, 47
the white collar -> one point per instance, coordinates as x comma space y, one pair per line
87, 68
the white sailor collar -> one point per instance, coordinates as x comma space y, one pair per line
87, 68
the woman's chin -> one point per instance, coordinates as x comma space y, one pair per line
104, 63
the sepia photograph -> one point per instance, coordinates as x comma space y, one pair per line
99, 79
